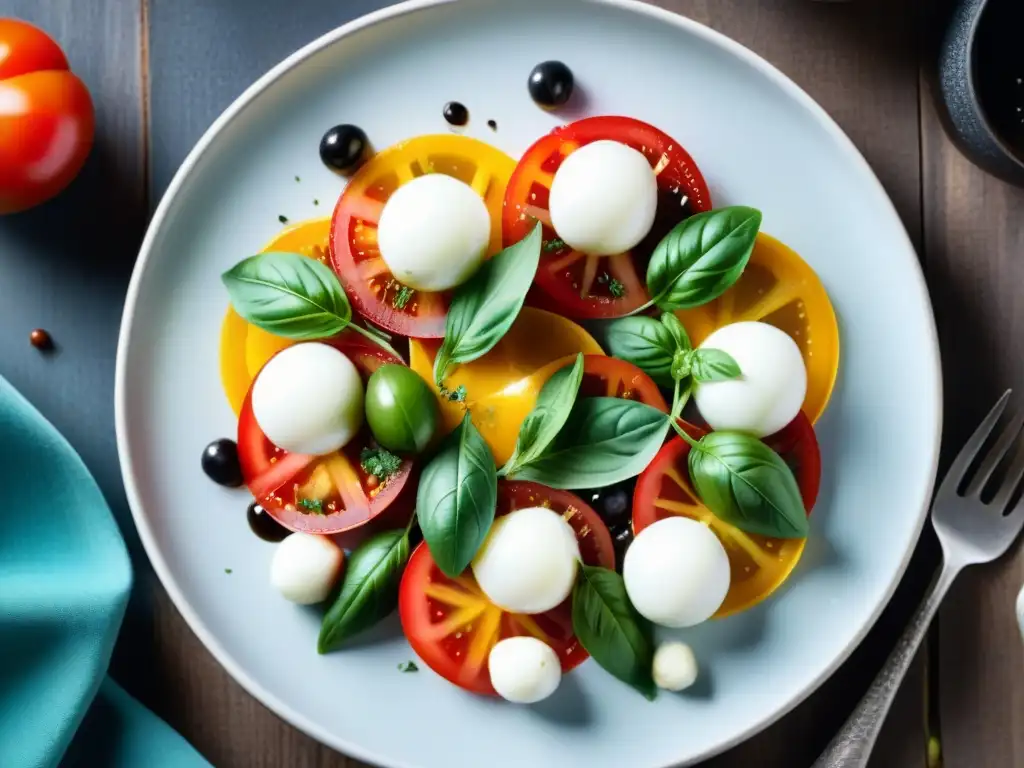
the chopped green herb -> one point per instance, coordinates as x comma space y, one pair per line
297, 179
227, 570
316, 202
457, 395
554, 245
313, 505
379, 462
615, 288
283, 219
402, 296
409, 666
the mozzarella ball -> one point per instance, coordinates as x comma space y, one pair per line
308, 399
433, 232
772, 385
675, 667
305, 568
603, 198
528, 562
524, 670
676, 572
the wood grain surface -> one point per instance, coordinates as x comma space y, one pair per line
166, 68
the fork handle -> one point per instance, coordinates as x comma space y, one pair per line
851, 747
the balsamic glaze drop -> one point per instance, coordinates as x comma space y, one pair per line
492, 124
456, 114
264, 526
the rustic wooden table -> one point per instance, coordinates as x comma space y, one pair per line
161, 70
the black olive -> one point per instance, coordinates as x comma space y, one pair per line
220, 463
455, 113
263, 525
344, 148
611, 503
550, 84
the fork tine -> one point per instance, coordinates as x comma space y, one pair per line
969, 452
1010, 483
1006, 440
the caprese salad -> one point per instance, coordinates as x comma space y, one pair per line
538, 407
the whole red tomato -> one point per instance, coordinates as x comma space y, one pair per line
46, 118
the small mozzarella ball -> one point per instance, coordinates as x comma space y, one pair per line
305, 568
675, 666
308, 399
528, 562
524, 670
603, 198
772, 385
433, 232
676, 572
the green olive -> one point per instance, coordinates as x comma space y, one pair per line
401, 409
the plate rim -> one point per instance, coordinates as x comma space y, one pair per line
237, 107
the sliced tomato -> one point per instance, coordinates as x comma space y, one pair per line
501, 387
319, 494
610, 377
452, 626
355, 256
574, 283
759, 564
779, 288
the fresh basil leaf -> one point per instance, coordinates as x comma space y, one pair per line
369, 591
701, 257
288, 295
747, 484
681, 364
611, 630
485, 306
542, 425
457, 498
646, 343
713, 365
675, 327
604, 441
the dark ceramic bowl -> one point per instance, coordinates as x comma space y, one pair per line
981, 81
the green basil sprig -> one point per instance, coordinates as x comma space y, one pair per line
701, 257
289, 295
369, 591
457, 498
485, 306
706, 365
610, 629
652, 345
747, 484
605, 440
542, 425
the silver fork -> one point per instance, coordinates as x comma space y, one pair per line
971, 531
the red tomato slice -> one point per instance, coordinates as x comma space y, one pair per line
452, 626
759, 564
354, 253
583, 286
610, 377
339, 495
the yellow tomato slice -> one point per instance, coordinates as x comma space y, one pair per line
780, 288
502, 386
244, 348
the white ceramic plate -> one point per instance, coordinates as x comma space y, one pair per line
760, 141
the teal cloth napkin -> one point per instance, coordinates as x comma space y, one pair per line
65, 577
